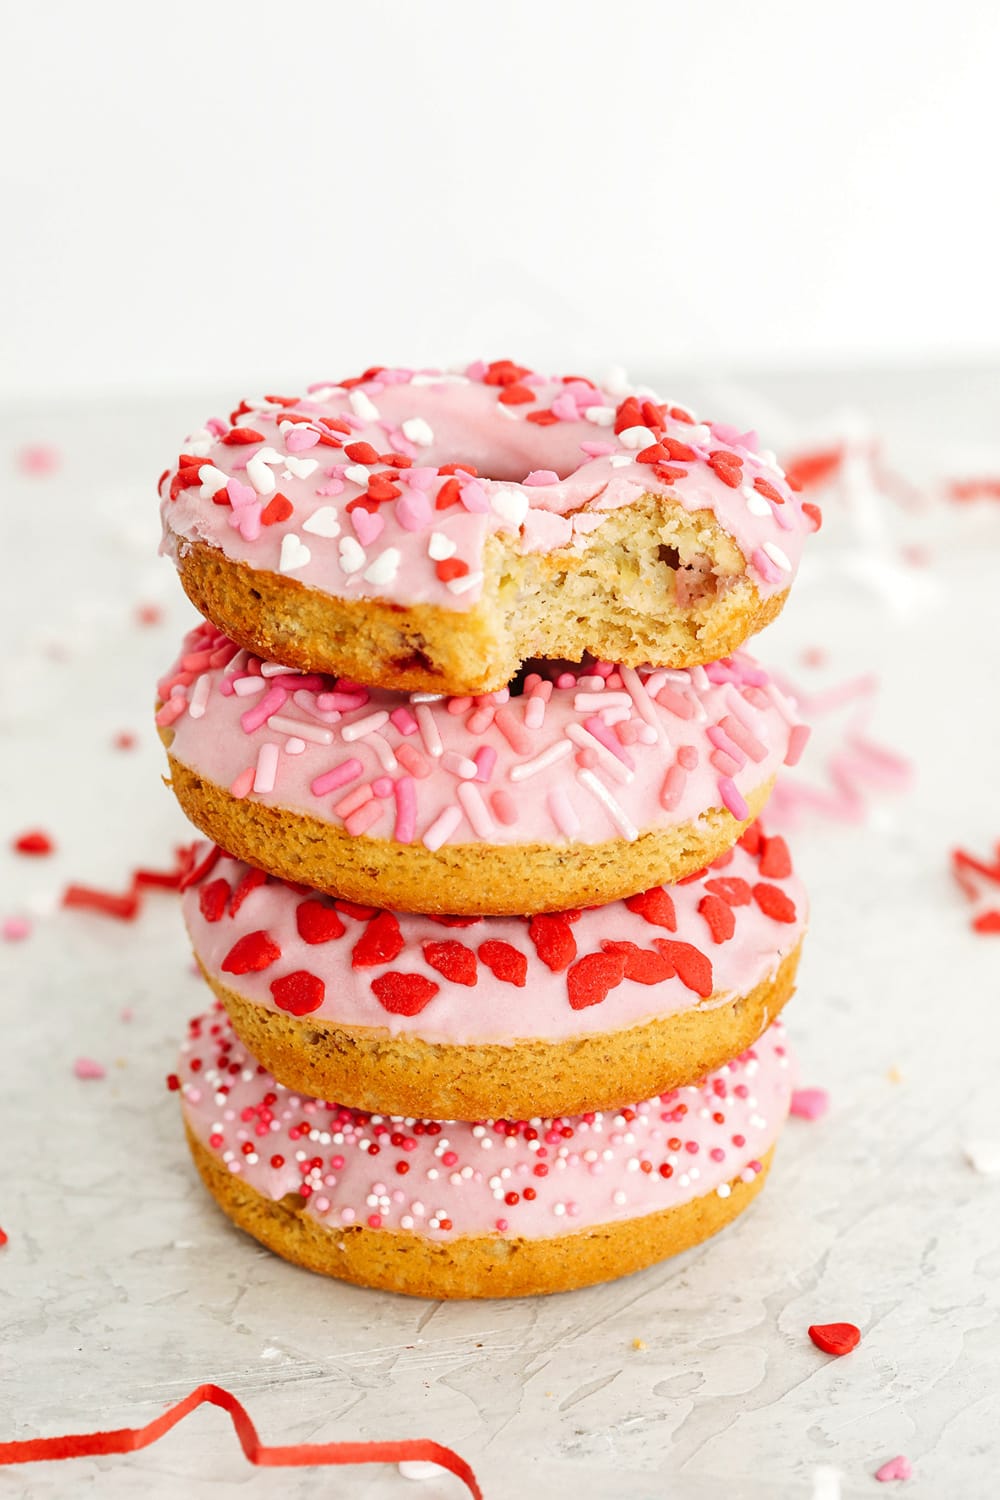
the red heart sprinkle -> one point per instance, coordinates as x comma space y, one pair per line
504, 372
642, 965
455, 921
278, 508
628, 414
554, 941
669, 473
542, 418
517, 395
449, 568
251, 954
768, 491
404, 994
776, 862
380, 488
591, 979
452, 959
34, 842
679, 452
359, 913
656, 906
774, 903
251, 880
361, 453
652, 415
656, 453
299, 993
835, 1338
814, 513
727, 466
719, 916
731, 888
694, 969
751, 838
449, 494
505, 962
380, 942
317, 922
236, 437
987, 922
212, 899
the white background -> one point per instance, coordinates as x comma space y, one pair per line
242, 194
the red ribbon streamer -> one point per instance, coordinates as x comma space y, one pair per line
295, 1455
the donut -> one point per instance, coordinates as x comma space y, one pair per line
576, 791
470, 1018
424, 531
506, 1208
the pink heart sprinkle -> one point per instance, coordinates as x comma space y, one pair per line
896, 1468
86, 1067
810, 1104
413, 510
542, 476
300, 438
240, 494
366, 525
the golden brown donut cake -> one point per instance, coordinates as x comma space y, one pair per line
431, 531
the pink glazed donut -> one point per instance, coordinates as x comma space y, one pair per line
506, 1208
469, 1018
585, 787
430, 531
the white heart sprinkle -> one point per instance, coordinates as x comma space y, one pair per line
637, 437
357, 474
601, 416
363, 407
619, 460
260, 475
352, 554
510, 503
462, 585
301, 467
294, 553
416, 430
777, 556
440, 546
323, 522
212, 481
756, 504
198, 442
699, 433
385, 567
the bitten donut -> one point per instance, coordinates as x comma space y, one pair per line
507, 1208
430, 531
469, 1018
573, 793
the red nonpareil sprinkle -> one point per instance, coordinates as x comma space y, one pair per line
449, 568
380, 943
774, 903
643, 965
694, 969
213, 899
593, 977
278, 508
251, 953
719, 916
238, 437
835, 1338
404, 994
656, 906
248, 883
35, 841
554, 941
505, 962
173, 1082
452, 959
300, 993
317, 922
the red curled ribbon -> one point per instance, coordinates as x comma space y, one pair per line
295, 1455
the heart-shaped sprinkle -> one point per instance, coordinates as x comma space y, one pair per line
385, 567
35, 841
655, 906
252, 953
236, 436
381, 488
774, 903
809, 1104
240, 494
775, 862
591, 979
440, 547
367, 525
727, 466
510, 503
451, 567
731, 888
317, 922
380, 943
835, 1338
505, 962
294, 553
322, 522
895, 1468
694, 970
413, 510
278, 508
301, 467
249, 882
554, 941
452, 959
642, 965
299, 993
301, 438
416, 430
404, 994
719, 916
352, 554
213, 899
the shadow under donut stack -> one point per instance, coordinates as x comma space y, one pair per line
471, 732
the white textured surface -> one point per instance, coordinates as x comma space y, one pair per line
122, 1286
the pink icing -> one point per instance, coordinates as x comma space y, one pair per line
599, 754
744, 952
555, 455
526, 1179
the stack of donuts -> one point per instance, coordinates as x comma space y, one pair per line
496, 943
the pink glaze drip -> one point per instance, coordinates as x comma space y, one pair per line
547, 482
663, 773
538, 1178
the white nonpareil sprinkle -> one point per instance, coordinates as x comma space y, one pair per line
352, 554
416, 430
440, 546
323, 522
294, 553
